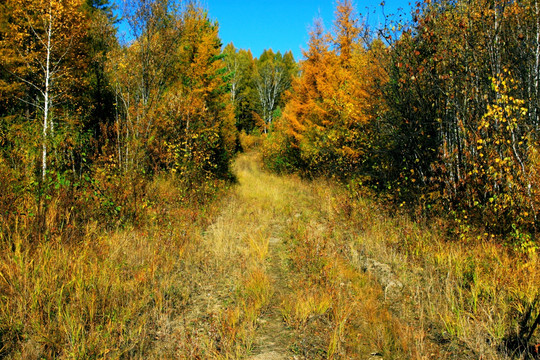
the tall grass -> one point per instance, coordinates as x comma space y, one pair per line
104, 293
192, 278
465, 294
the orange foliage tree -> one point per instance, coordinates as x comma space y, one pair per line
332, 102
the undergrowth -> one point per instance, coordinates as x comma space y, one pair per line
105, 293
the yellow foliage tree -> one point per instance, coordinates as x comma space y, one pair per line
500, 178
41, 52
202, 114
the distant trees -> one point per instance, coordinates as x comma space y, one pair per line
258, 85
241, 73
274, 75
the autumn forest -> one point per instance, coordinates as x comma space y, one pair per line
171, 196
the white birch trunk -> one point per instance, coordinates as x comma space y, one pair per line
46, 96
537, 65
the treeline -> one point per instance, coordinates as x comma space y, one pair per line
442, 115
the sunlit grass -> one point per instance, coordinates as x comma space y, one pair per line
194, 282
468, 294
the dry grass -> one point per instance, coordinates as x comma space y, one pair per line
108, 294
194, 282
337, 310
464, 297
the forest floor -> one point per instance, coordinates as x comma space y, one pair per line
276, 268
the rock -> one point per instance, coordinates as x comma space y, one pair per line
382, 272
272, 355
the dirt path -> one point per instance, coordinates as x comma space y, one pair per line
278, 282
273, 338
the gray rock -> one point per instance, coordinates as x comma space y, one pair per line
382, 272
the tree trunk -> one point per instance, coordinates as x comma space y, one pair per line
46, 119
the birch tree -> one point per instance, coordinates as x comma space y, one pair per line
141, 71
241, 78
38, 53
273, 78
236, 73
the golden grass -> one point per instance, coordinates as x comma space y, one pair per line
107, 295
464, 295
334, 303
303, 305
194, 282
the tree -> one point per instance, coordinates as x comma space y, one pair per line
41, 51
346, 30
199, 106
142, 72
462, 105
335, 99
274, 75
237, 74
100, 41
174, 111
241, 69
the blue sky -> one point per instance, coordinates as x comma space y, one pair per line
282, 24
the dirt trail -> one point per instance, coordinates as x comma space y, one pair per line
279, 283
272, 338
236, 311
